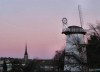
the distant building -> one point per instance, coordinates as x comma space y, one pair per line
5, 64
44, 65
26, 54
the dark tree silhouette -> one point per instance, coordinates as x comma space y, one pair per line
59, 60
93, 48
30, 67
4, 66
16, 66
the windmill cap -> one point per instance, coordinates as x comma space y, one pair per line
74, 30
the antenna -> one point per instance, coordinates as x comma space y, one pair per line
80, 15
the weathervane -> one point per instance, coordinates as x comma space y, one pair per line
64, 21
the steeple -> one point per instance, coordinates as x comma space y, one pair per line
26, 54
26, 50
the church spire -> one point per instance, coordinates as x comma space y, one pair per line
26, 54
26, 50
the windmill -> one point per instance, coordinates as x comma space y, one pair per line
74, 38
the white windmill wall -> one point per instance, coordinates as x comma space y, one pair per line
71, 41
74, 43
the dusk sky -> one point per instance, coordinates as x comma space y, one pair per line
38, 23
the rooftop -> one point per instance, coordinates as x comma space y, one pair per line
73, 30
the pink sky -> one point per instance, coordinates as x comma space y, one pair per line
38, 23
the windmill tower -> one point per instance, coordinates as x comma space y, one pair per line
74, 50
